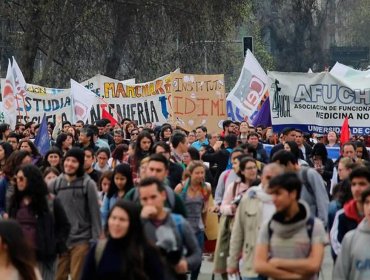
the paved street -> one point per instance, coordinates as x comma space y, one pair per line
325, 274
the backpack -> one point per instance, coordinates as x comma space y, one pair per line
229, 163
177, 219
57, 186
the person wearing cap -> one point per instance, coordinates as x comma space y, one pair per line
288, 135
78, 194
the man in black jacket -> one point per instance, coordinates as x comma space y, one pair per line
219, 155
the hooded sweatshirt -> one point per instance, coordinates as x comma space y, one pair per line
289, 239
354, 260
80, 201
345, 220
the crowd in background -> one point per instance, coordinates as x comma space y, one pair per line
141, 202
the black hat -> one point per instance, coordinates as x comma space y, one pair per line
100, 123
78, 154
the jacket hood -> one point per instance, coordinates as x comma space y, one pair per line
287, 229
350, 210
364, 226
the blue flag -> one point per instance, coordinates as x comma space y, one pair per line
42, 141
263, 117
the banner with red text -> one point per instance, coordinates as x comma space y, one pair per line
196, 100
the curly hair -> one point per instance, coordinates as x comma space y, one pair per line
35, 188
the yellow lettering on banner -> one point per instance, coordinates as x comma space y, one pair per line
37, 90
158, 87
119, 91
108, 90
130, 91
151, 90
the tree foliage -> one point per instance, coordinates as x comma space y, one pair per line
62, 39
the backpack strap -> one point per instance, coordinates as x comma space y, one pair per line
309, 227
184, 190
177, 219
226, 175
99, 250
170, 197
306, 182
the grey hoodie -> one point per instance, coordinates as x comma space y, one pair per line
80, 201
353, 261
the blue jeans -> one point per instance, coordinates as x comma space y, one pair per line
200, 238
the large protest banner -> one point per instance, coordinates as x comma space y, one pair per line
39, 100
143, 102
196, 100
249, 92
319, 102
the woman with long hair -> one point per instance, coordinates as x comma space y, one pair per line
6, 150
166, 132
4, 131
292, 147
64, 142
144, 145
322, 163
129, 127
41, 217
17, 259
50, 174
126, 253
29, 146
7, 182
248, 178
121, 184
74, 133
104, 183
361, 151
118, 155
195, 193
53, 158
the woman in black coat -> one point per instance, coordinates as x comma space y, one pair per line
41, 216
322, 164
126, 253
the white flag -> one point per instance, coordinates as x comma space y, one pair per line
9, 99
251, 87
19, 81
83, 100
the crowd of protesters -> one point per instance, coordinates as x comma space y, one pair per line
135, 202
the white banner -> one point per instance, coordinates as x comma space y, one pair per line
140, 102
319, 102
40, 100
